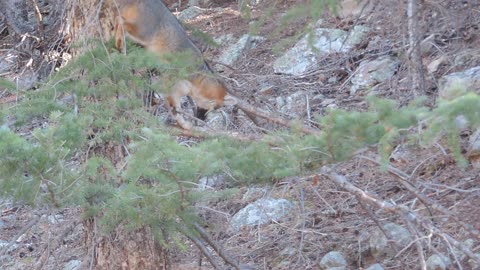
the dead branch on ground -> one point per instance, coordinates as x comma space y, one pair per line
59, 240
247, 108
403, 179
400, 210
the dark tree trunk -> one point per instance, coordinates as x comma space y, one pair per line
120, 249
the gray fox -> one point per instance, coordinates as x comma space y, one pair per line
151, 24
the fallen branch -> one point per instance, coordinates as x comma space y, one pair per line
403, 178
32, 223
251, 110
201, 246
216, 247
59, 240
401, 210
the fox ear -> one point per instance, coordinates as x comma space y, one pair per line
229, 100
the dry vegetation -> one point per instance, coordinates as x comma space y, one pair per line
329, 216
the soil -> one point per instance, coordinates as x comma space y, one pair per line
327, 218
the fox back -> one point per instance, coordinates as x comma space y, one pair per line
151, 24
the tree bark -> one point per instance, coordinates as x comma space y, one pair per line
120, 249
134, 250
89, 19
415, 55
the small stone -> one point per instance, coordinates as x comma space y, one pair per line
254, 193
437, 262
333, 260
293, 105
303, 56
456, 84
192, 3
473, 264
288, 252
261, 212
72, 265
234, 51
379, 244
376, 266
370, 73
189, 13
218, 119
54, 219
327, 101
210, 182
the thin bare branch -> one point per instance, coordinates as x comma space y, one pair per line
401, 210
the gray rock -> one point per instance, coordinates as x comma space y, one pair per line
376, 266
261, 212
6, 64
433, 66
401, 154
379, 244
218, 119
460, 254
462, 122
66, 99
473, 153
332, 106
317, 99
226, 39
327, 102
473, 264
251, 3
428, 45
72, 265
192, 3
456, 84
288, 252
254, 193
54, 219
210, 182
333, 260
294, 105
4, 244
27, 80
303, 56
370, 73
437, 262
189, 13
355, 8
233, 52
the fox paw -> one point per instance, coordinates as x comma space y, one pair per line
184, 123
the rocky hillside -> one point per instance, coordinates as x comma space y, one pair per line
419, 211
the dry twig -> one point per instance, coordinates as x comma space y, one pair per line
403, 178
59, 240
397, 209
20, 233
247, 108
201, 246
227, 258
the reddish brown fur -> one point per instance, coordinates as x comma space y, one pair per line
151, 24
